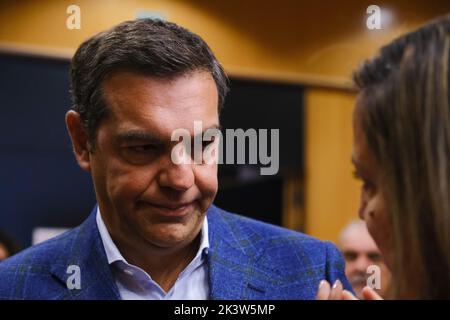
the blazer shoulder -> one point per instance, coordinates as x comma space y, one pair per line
290, 256
32, 266
266, 233
44, 253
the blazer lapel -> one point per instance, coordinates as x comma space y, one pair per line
85, 250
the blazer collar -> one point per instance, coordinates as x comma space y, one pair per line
232, 257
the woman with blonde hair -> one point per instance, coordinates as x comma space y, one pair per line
401, 152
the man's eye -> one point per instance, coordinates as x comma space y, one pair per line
142, 149
350, 256
376, 257
140, 154
206, 143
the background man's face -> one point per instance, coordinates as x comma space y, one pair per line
360, 252
142, 194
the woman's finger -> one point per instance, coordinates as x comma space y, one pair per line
347, 295
323, 292
336, 291
370, 294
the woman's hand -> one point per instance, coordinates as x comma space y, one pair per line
337, 292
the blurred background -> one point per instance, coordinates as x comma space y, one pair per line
290, 64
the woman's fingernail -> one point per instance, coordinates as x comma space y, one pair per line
336, 284
321, 283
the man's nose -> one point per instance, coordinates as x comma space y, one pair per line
179, 177
362, 263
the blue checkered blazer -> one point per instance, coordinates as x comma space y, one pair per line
247, 259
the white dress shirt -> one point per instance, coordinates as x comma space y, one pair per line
136, 284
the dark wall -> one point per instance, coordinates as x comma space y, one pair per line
40, 182
262, 105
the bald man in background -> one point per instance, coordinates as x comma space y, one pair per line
360, 252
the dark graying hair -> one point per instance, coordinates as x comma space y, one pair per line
404, 112
151, 47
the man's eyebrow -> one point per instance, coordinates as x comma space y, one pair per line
144, 136
137, 135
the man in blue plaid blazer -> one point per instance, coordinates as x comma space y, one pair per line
247, 259
138, 89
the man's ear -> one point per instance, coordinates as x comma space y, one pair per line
79, 139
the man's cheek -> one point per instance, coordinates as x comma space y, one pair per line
128, 186
208, 179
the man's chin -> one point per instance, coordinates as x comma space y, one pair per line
165, 242
358, 287
169, 234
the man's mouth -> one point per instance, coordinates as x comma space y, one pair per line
358, 280
173, 209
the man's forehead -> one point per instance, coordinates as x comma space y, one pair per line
158, 107
124, 85
358, 240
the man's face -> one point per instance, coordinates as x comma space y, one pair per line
360, 252
143, 196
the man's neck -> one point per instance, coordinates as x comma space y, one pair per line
162, 264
